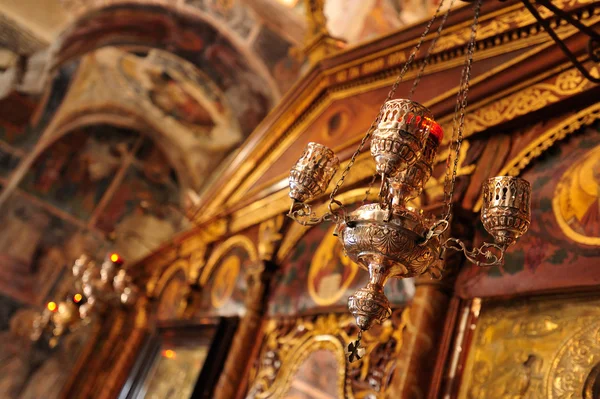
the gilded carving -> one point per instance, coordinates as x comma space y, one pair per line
224, 281
533, 349
287, 344
269, 236
218, 254
525, 101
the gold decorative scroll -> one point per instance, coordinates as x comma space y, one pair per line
523, 102
288, 343
535, 349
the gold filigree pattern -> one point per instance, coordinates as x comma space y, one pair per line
287, 344
534, 349
523, 102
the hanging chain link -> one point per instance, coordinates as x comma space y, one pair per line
431, 48
458, 123
391, 93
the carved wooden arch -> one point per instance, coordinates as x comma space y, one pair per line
150, 29
159, 280
539, 146
298, 356
286, 345
235, 241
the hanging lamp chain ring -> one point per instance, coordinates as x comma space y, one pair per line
458, 124
390, 95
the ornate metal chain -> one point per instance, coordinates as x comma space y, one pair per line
391, 93
458, 124
430, 49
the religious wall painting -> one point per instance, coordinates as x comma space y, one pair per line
317, 274
534, 348
173, 298
561, 248
75, 172
20, 125
224, 277
275, 51
9, 160
187, 37
143, 211
238, 16
36, 245
177, 90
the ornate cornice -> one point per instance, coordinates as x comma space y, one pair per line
324, 86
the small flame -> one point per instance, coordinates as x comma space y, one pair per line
169, 354
52, 306
114, 258
77, 298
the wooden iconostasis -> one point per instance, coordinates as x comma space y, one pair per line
529, 329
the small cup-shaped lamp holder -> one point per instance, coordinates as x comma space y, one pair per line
400, 136
506, 212
313, 172
409, 183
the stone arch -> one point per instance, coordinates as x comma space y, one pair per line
168, 27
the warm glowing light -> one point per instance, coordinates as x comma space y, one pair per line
169, 354
77, 298
114, 258
289, 3
52, 306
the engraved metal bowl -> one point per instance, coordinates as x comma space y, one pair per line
385, 248
313, 172
506, 212
400, 136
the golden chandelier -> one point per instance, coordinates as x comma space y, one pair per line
387, 237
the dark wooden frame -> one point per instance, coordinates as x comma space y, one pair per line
216, 332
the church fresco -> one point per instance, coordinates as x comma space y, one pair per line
142, 212
36, 245
237, 15
75, 172
249, 92
179, 91
562, 245
8, 161
225, 290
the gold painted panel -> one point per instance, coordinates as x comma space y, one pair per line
543, 348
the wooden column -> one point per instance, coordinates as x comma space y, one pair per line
426, 330
239, 360
423, 332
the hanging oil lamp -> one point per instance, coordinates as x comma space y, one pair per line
387, 238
